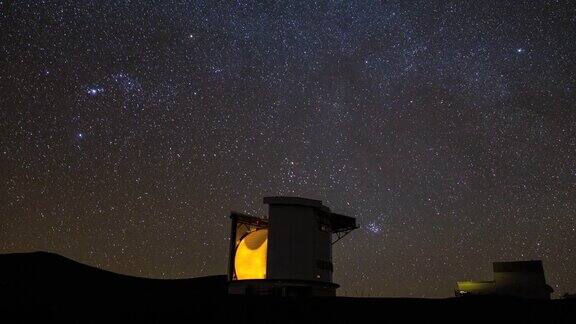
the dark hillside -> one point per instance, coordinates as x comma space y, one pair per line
44, 287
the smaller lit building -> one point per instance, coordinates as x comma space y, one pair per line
520, 279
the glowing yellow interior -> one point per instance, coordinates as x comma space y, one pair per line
250, 259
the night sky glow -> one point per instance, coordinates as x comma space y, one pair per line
130, 129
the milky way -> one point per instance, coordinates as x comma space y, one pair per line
129, 130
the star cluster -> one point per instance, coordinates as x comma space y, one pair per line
130, 129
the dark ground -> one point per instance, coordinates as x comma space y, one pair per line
42, 287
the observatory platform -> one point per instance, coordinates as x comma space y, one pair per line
289, 253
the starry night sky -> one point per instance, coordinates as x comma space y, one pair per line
130, 129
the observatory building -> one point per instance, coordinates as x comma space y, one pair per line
289, 253
520, 278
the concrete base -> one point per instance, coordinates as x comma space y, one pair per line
286, 288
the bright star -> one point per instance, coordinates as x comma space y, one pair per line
95, 90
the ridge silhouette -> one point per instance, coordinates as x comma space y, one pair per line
42, 287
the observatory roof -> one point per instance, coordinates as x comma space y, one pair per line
533, 266
295, 201
338, 222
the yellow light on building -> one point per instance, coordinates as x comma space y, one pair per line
250, 258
